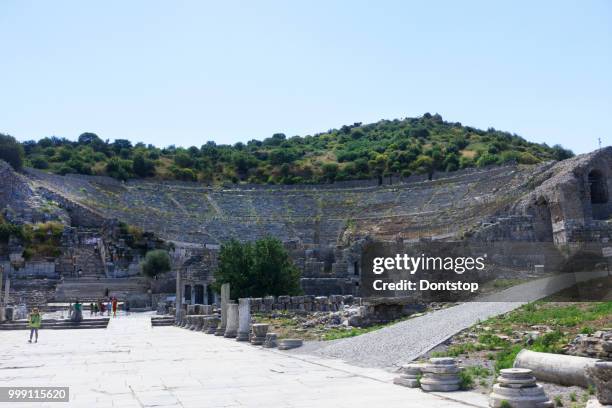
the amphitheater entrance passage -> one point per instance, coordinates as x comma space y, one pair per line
598, 189
198, 297
543, 222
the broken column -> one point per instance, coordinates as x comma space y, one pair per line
231, 325
287, 344
225, 294
518, 388
260, 330
271, 340
409, 376
244, 319
199, 323
601, 376
556, 368
440, 374
213, 323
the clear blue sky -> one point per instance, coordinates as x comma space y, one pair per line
187, 72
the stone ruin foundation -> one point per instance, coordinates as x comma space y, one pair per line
271, 340
517, 387
440, 374
409, 376
260, 331
287, 344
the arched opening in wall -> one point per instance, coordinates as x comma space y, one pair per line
542, 221
599, 195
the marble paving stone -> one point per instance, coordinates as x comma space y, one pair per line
131, 364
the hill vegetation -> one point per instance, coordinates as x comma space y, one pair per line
386, 148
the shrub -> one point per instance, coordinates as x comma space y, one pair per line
467, 380
11, 151
155, 263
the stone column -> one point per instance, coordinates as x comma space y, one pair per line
231, 328
244, 319
225, 294
440, 374
179, 296
7, 288
260, 330
517, 387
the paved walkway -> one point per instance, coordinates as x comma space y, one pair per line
403, 342
131, 364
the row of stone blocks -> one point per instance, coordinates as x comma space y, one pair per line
233, 322
331, 303
305, 303
516, 387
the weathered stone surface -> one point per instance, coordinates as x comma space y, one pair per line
601, 375
231, 328
213, 324
409, 376
287, 344
225, 297
260, 330
556, 368
440, 374
271, 340
244, 319
597, 345
517, 386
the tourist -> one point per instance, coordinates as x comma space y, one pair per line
102, 307
95, 306
108, 307
34, 322
126, 307
91, 309
114, 307
77, 314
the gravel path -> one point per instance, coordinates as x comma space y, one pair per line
405, 341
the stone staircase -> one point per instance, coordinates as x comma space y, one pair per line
162, 321
89, 289
55, 324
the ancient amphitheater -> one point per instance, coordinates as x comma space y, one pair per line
563, 204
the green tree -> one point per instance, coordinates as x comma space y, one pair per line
257, 269
378, 165
142, 166
155, 263
424, 165
330, 171
11, 151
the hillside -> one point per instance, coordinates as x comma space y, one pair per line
385, 148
